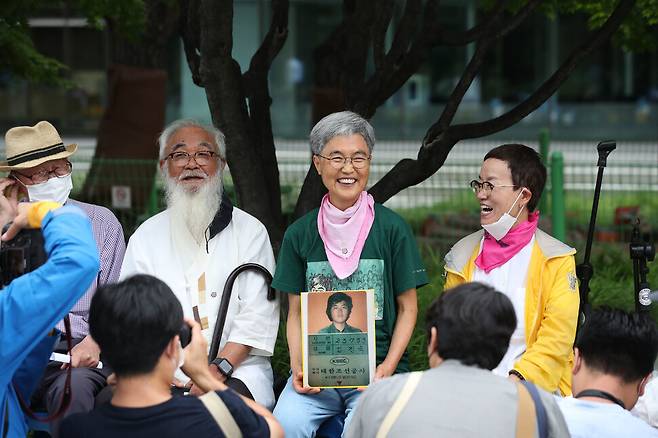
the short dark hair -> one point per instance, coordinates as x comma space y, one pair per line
336, 298
618, 343
525, 166
474, 323
133, 321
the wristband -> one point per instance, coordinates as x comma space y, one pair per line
516, 373
38, 211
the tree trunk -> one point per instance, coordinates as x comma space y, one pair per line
249, 142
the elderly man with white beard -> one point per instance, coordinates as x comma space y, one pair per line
193, 246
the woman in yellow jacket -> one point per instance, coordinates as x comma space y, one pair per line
535, 270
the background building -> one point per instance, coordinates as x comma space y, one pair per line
612, 94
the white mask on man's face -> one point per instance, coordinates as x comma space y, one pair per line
501, 227
55, 189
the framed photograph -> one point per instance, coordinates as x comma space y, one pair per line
338, 338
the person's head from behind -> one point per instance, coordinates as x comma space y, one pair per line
511, 179
136, 324
339, 307
471, 323
617, 344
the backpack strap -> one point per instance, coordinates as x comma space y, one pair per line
525, 416
221, 414
399, 403
531, 412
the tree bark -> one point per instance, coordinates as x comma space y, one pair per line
249, 141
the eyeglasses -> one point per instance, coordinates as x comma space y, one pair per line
59, 171
181, 158
477, 186
338, 161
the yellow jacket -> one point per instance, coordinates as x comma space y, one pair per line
551, 306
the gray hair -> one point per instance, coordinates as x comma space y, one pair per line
171, 129
343, 123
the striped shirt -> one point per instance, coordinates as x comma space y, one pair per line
111, 247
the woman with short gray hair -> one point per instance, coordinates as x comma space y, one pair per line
349, 243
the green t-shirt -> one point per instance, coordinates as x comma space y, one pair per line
390, 264
331, 328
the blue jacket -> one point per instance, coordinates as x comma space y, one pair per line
32, 304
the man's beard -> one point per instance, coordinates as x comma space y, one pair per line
193, 210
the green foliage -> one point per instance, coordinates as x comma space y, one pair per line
20, 57
127, 15
637, 33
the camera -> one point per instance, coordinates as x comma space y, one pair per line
185, 335
22, 254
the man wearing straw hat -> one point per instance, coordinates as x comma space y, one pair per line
39, 169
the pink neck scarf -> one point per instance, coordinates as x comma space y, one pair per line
344, 233
496, 253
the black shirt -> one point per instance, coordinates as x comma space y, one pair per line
181, 416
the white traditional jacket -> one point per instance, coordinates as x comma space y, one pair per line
251, 319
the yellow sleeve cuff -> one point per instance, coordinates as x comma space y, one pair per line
38, 211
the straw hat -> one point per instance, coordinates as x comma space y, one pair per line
29, 146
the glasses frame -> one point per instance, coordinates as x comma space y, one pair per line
478, 186
338, 165
170, 156
45, 174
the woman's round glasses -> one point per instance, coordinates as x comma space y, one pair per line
338, 161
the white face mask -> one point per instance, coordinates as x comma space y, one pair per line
501, 227
55, 189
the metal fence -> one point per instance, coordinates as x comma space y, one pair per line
630, 183
630, 180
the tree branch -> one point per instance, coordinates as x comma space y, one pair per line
455, 99
354, 55
546, 90
382, 21
218, 38
493, 33
189, 30
400, 62
257, 91
409, 172
443, 37
513, 22
404, 32
276, 36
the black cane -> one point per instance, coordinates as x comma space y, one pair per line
226, 300
585, 271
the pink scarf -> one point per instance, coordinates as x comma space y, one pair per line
344, 233
496, 253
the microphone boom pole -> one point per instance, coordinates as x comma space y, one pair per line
585, 271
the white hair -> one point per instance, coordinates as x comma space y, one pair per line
344, 123
194, 210
171, 129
